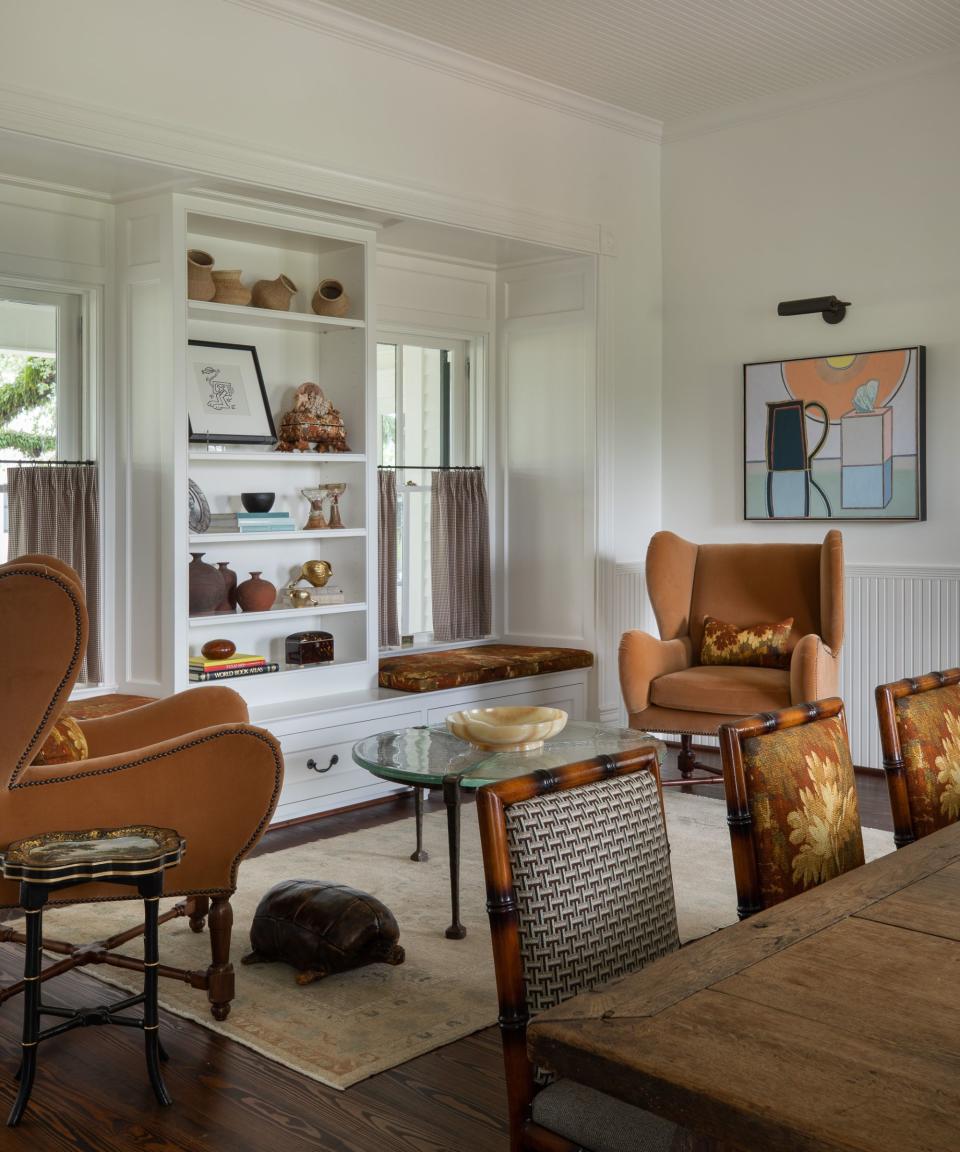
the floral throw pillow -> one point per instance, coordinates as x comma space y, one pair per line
759, 645
65, 744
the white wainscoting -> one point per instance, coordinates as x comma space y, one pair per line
899, 621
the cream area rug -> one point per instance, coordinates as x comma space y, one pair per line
350, 1026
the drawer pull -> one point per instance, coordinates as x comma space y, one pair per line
312, 764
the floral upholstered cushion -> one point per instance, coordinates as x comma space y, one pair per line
929, 727
65, 744
484, 664
803, 801
759, 645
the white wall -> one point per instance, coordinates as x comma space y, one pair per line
859, 198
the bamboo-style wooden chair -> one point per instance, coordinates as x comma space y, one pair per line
578, 891
920, 738
788, 777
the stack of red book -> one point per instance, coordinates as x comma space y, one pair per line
239, 664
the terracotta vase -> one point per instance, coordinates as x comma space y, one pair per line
200, 285
275, 294
229, 290
330, 299
206, 587
256, 595
229, 602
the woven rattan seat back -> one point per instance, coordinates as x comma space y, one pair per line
591, 874
578, 890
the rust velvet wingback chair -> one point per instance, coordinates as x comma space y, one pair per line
668, 688
190, 762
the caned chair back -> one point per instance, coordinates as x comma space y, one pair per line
579, 891
920, 737
791, 802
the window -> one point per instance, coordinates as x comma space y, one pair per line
426, 418
40, 382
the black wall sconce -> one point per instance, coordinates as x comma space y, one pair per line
829, 307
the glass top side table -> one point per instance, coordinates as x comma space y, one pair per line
432, 757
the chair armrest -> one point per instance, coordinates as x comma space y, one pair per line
642, 659
217, 787
814, 671
192, 711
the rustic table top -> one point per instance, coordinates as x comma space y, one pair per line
830, 1023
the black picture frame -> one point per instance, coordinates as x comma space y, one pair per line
766, 455
226, 397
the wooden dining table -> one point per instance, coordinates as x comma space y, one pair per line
829, 1023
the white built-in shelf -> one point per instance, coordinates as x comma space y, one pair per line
213, 538
268, 317
269, 456
220, 618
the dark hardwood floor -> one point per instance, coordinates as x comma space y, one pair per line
92, 1094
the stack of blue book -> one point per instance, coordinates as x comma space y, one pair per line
265, 522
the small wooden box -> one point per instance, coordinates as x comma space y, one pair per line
303, 648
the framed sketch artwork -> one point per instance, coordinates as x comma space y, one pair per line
835, 437
226, 398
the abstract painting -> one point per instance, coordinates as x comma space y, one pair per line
835, 437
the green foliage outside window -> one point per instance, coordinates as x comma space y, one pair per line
28, 404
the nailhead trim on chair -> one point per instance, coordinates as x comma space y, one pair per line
78, 616
277, 779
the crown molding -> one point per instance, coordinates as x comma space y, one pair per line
78, 123
320, 17
808, 99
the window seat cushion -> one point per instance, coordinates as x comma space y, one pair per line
483, 664
109, 704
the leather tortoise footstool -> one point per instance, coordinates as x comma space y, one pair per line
320, 928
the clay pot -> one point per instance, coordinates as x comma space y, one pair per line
218, 649
229, 290
200, 285
275, 294
229, 602
256, 595
206, 587
330, 299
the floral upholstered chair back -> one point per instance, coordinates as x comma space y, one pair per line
920, 735
791, 802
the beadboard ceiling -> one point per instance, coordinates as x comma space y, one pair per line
677, 59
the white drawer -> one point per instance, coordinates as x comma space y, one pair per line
569, 697
319, 762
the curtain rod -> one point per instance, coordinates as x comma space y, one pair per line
429, 468
47, 463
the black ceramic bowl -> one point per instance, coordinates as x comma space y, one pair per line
257, 501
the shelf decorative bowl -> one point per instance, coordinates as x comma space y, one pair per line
507, 729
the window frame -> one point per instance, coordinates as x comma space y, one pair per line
473, 441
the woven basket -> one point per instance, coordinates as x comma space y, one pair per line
330, 299
275, 294
229, 290
200, 284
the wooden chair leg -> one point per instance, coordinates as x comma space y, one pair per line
220, 973
197, 909
686, 759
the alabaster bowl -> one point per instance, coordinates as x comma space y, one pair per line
507, 729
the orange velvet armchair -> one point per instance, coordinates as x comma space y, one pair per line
190, 762
667, 689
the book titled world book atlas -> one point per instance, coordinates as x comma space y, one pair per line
230, 673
